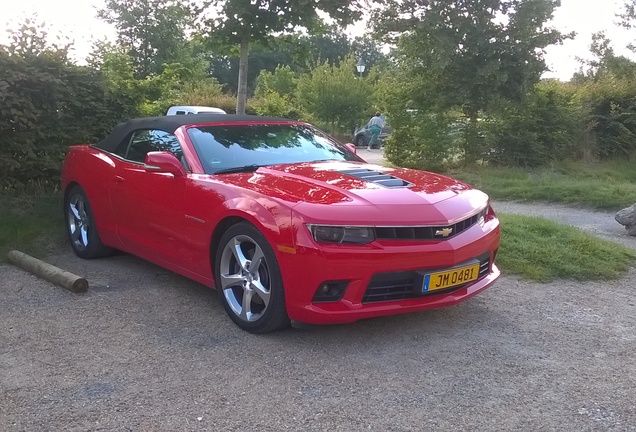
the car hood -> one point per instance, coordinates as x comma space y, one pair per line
352, 192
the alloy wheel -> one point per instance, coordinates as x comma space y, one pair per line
78, 222
245, 278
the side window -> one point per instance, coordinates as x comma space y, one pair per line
164, 141
138, 146
147, 140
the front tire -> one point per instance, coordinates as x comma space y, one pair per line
248, 280
360, 141
80, 226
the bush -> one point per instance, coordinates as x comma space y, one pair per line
544, 127
207, 92
609, 103
276, 105
283, 82
335, 96
423, 140
48, 104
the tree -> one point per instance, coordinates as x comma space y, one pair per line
241, 23
335, 96
152, 31
604, 62
282, 81
628, 18
31, 39
118, 70
606, 92
225, 68
330, 46
300, 52
468, 55
368, 49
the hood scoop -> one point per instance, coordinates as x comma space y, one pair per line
377, 177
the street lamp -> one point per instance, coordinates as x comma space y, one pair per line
360, 66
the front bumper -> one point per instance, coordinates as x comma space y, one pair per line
312, 264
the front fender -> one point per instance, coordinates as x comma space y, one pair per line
273, 219
263, 216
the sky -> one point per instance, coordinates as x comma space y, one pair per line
77, 20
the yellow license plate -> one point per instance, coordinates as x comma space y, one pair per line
450, 278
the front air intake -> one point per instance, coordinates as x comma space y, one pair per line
377, 177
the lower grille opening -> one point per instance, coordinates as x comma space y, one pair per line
402, 285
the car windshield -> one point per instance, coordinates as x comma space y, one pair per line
222, 148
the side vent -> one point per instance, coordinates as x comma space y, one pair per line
384, 180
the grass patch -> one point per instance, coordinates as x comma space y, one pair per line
33, 224
543, 250
604, 185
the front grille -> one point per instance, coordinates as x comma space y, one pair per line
427, 232
405, 285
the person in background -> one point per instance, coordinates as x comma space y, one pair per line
375, 126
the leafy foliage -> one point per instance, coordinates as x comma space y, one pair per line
274, 94
544, 127
276, 105
468, 56
606, 92
48, 104
241, 23
335, 96
610, 105
300, 52
628, 19
283, 81
152, 31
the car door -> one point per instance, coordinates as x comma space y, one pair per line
149, 206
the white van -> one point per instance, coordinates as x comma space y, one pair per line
183, 110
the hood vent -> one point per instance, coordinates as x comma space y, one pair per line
377, 177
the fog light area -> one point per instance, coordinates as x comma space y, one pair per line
330, 291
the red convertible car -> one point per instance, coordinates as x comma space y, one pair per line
286, 223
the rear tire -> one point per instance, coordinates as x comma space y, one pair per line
360, 141
80, 226
248, 280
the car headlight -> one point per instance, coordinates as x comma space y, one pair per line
342, 234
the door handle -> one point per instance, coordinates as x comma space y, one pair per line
119, 179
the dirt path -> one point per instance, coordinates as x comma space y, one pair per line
147, 350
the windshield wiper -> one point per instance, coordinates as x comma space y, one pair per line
239, 169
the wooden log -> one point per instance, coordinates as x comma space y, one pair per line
48, 272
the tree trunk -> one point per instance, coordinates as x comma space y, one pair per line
242, 77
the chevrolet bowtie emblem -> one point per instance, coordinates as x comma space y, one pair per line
444, 232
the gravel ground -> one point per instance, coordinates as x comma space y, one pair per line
147, 350
371, 156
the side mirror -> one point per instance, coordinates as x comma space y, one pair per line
164, 162
351, 147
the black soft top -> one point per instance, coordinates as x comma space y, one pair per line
172, 123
